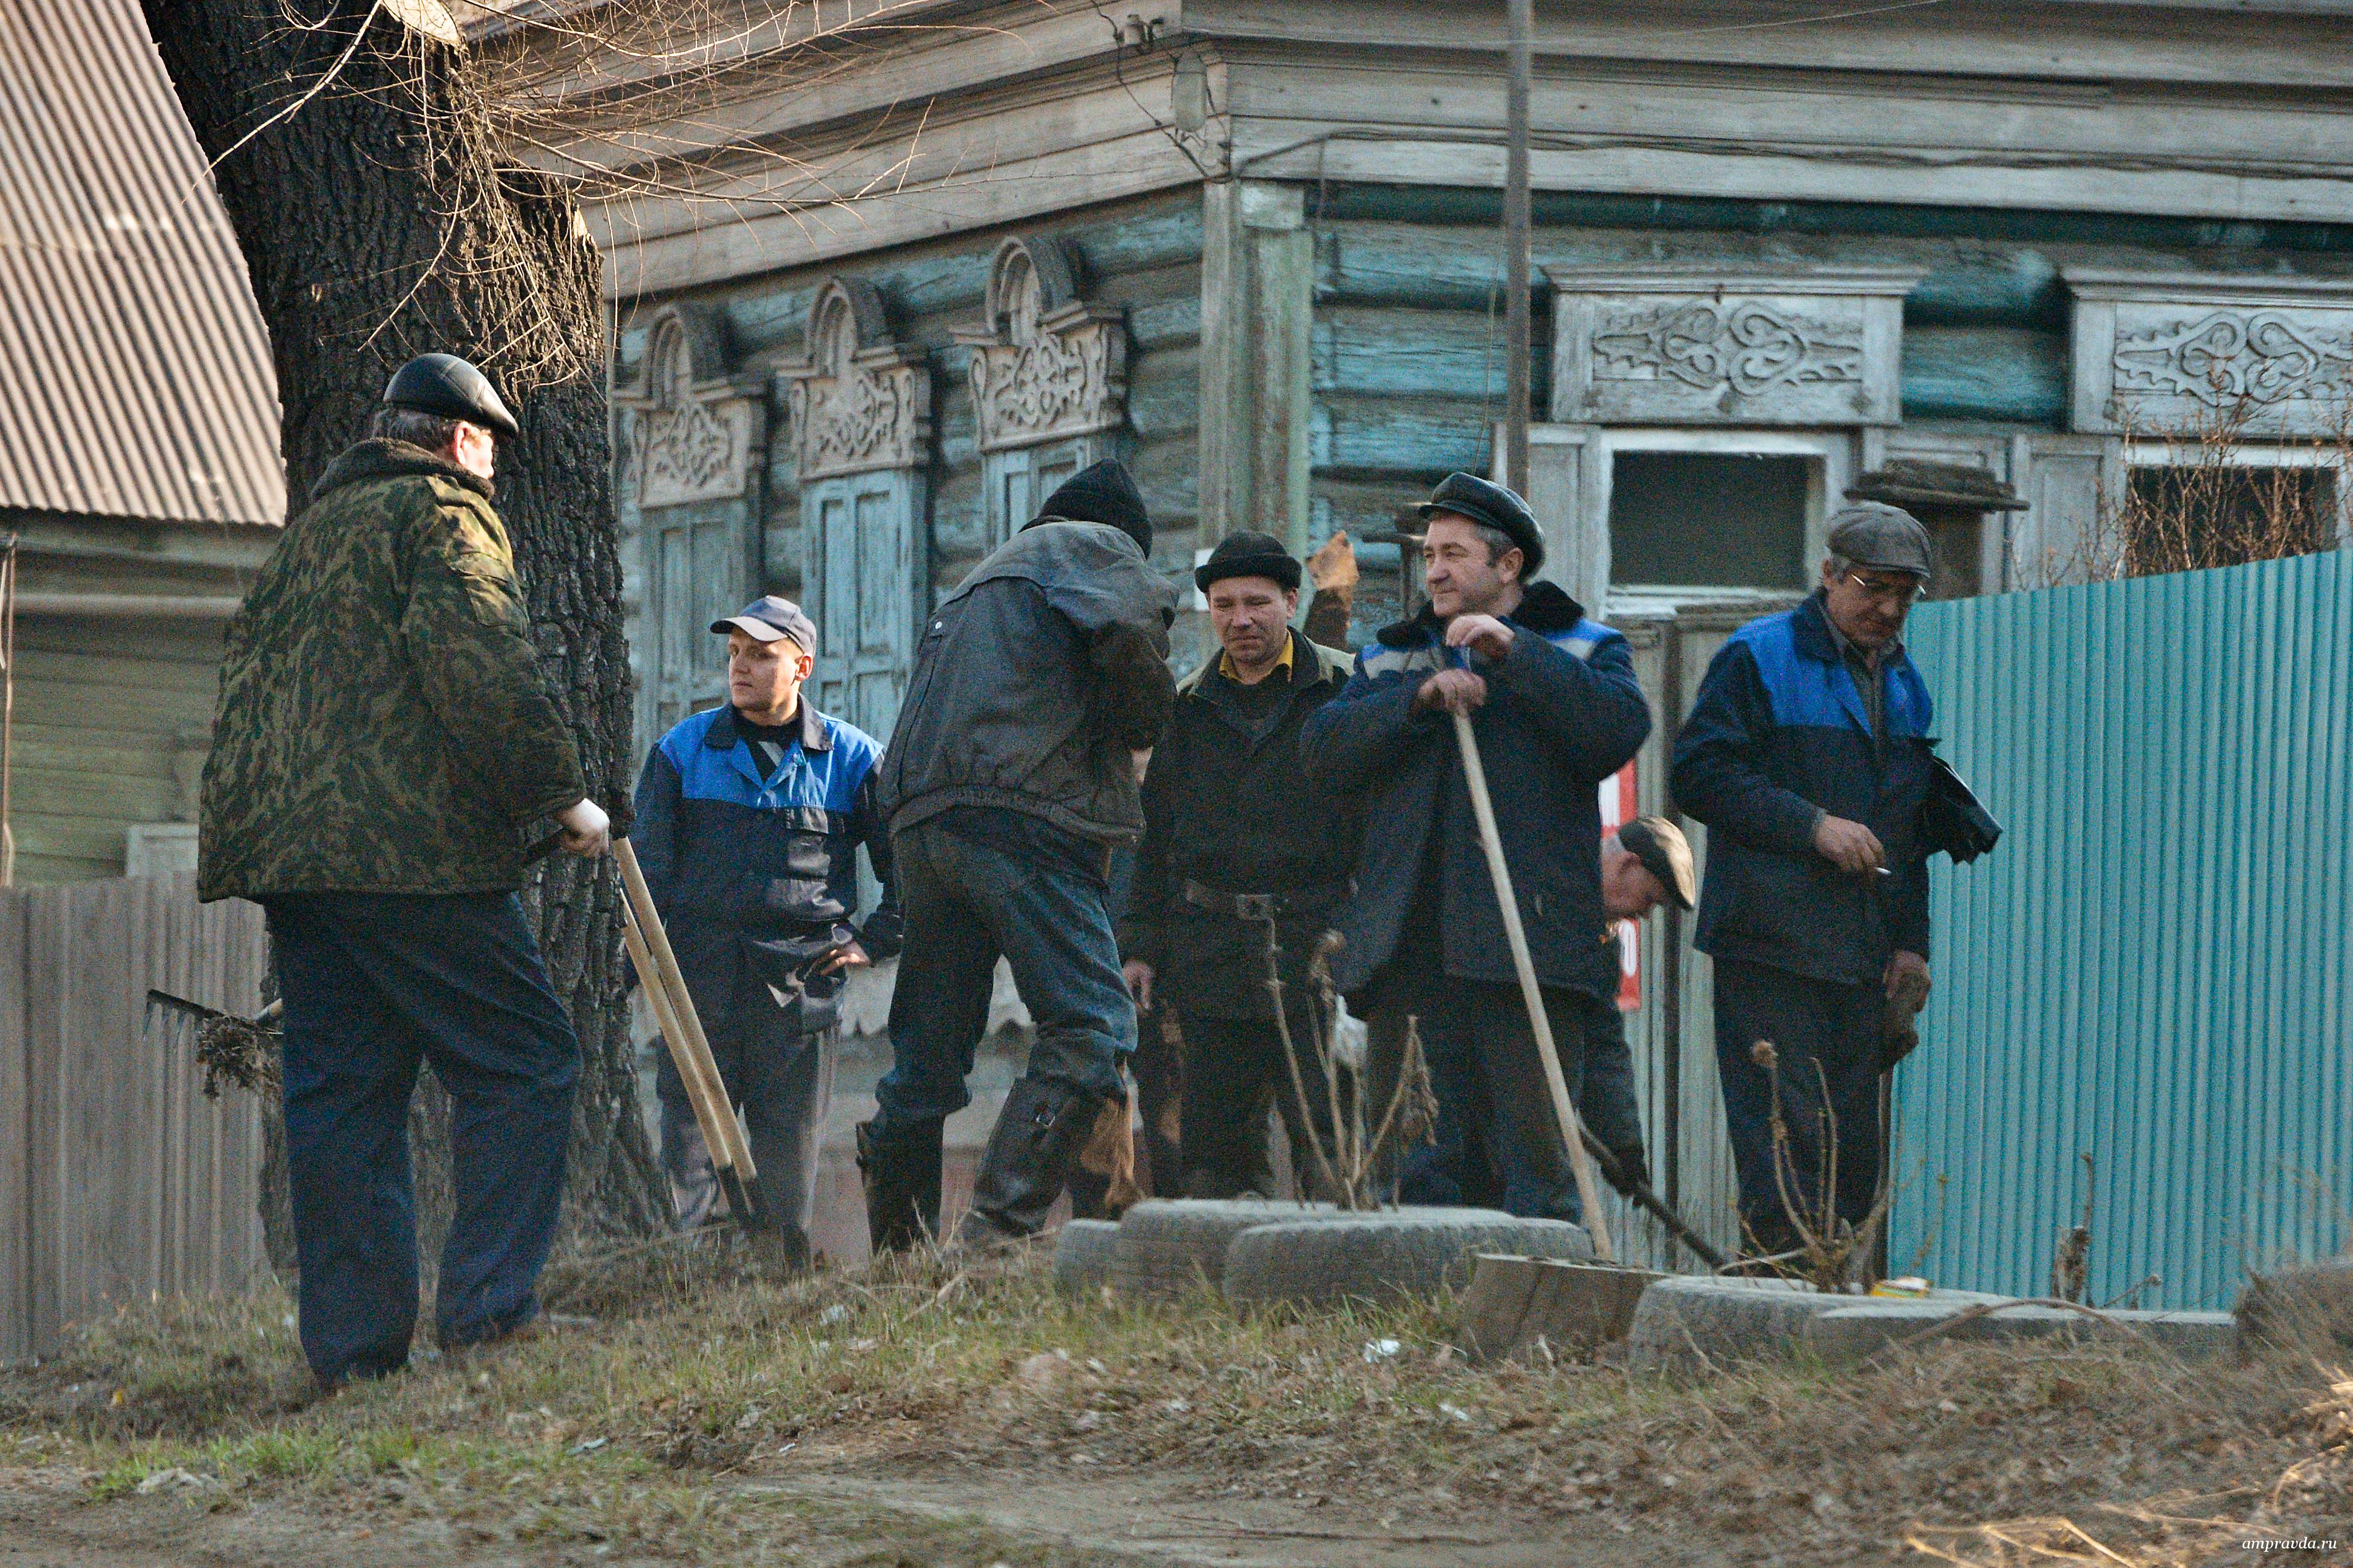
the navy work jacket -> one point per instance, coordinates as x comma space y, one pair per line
756, 874
1779, 735
1563, 714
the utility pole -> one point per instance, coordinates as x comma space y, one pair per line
1518, 352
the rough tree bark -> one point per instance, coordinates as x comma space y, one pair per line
378, 221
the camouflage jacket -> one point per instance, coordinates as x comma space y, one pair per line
383, 726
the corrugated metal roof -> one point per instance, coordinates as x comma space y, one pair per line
135, 378
2155, 965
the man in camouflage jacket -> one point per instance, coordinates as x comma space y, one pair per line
384, 736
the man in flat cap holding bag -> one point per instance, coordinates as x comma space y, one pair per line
1808, 755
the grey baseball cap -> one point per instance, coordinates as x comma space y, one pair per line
1887, 538
769, 617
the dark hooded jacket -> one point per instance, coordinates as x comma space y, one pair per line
1563, 714
1035, 684
384, 724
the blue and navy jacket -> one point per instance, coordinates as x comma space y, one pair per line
1563, 714
1779, 736
755, 874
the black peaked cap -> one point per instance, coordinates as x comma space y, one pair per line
1248, 555
448, 386
1484, 502
1102, 493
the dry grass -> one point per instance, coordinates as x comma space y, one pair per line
629, 1430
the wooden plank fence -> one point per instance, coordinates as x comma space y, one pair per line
119, 1179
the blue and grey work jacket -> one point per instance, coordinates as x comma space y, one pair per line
1778, 736
755, 873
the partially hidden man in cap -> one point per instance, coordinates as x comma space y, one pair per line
1807, 755
748, 820
1010, 780
1553, 702
383, 739
1238, 838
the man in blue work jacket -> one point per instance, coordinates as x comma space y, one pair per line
1556, 710
748, 822
1807, 755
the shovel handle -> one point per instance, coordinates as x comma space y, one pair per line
690, 1048
1572, 1128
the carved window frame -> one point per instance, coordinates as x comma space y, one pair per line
697, 431
1648, 347
1047, 374
860, 408
2165, 354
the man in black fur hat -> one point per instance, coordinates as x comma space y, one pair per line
1009, 781
1554, 704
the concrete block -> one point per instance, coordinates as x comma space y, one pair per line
1684, 1320
1383, 1255
1572, 1307
1167, 1246
1084, 1252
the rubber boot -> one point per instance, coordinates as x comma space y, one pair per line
901, 1174
1031, 1155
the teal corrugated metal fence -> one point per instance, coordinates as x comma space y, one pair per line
2152, 967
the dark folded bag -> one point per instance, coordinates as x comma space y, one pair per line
1951, 820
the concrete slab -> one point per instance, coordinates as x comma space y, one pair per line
1513, 1303
1690, 1321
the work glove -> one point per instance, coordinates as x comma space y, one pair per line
1633, 1171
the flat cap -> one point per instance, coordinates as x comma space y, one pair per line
1248, 555
1665, 854
1872, 534
448, 386
768, 618
1484, 502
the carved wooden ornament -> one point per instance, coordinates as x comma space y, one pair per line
694, 427
859, 402
1654, 348
2169, 354
1045, 363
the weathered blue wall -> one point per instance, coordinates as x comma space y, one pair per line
2154, 966
1409, 369
1143, 255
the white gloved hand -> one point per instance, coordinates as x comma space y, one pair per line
588, 831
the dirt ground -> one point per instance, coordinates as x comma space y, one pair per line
925, 1418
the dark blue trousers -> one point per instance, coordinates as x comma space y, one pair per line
375, 984
1496, 1142
1825, 1037
977, 885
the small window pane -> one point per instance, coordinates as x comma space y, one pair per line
1707, 519
2195, 516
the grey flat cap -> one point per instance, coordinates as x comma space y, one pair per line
1872, 534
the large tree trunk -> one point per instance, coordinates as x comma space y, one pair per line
378, 222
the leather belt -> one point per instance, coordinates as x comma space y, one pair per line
1261, 906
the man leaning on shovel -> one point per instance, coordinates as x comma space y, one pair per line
384, 736
1552, 703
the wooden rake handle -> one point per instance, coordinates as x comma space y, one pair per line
1572, 1130
681, 1026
